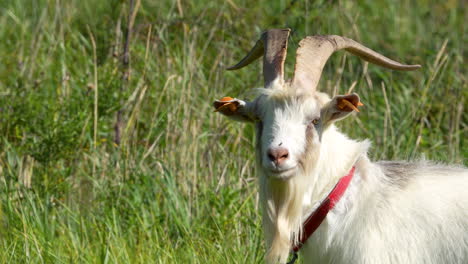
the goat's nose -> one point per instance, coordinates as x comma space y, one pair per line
278, 155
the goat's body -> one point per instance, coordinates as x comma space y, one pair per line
393, 212
424, 221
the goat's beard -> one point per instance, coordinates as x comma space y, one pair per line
282, 202
282, 206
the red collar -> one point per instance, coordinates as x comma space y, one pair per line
316, 218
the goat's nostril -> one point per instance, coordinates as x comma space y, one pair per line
271, 156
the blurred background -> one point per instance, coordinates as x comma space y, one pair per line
110, 151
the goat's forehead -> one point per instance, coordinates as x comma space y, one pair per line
290, 102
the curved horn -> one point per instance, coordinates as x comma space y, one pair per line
314, 51
273, 46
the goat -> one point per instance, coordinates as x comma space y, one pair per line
391, 211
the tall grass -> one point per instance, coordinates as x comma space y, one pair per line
180, 187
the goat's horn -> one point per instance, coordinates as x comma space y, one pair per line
314, 51
273, 46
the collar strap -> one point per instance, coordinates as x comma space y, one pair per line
316, 218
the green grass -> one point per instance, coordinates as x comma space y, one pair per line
181, 187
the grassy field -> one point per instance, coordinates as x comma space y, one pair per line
180, 186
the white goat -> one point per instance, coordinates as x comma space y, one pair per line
391, 212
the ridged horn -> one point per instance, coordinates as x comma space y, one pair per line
273, 46
314, 51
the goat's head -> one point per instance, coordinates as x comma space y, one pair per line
292, 115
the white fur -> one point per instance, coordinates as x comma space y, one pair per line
423, 219
375, 222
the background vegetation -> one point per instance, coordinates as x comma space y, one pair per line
180, 186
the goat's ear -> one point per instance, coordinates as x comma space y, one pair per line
236, 109
339, 107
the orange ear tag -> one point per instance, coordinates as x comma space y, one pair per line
225, 99
345, 102
231, 105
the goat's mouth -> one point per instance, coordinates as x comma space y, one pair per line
282, 173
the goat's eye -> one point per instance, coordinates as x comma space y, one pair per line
315, 121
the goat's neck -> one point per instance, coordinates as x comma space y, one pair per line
338, 154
